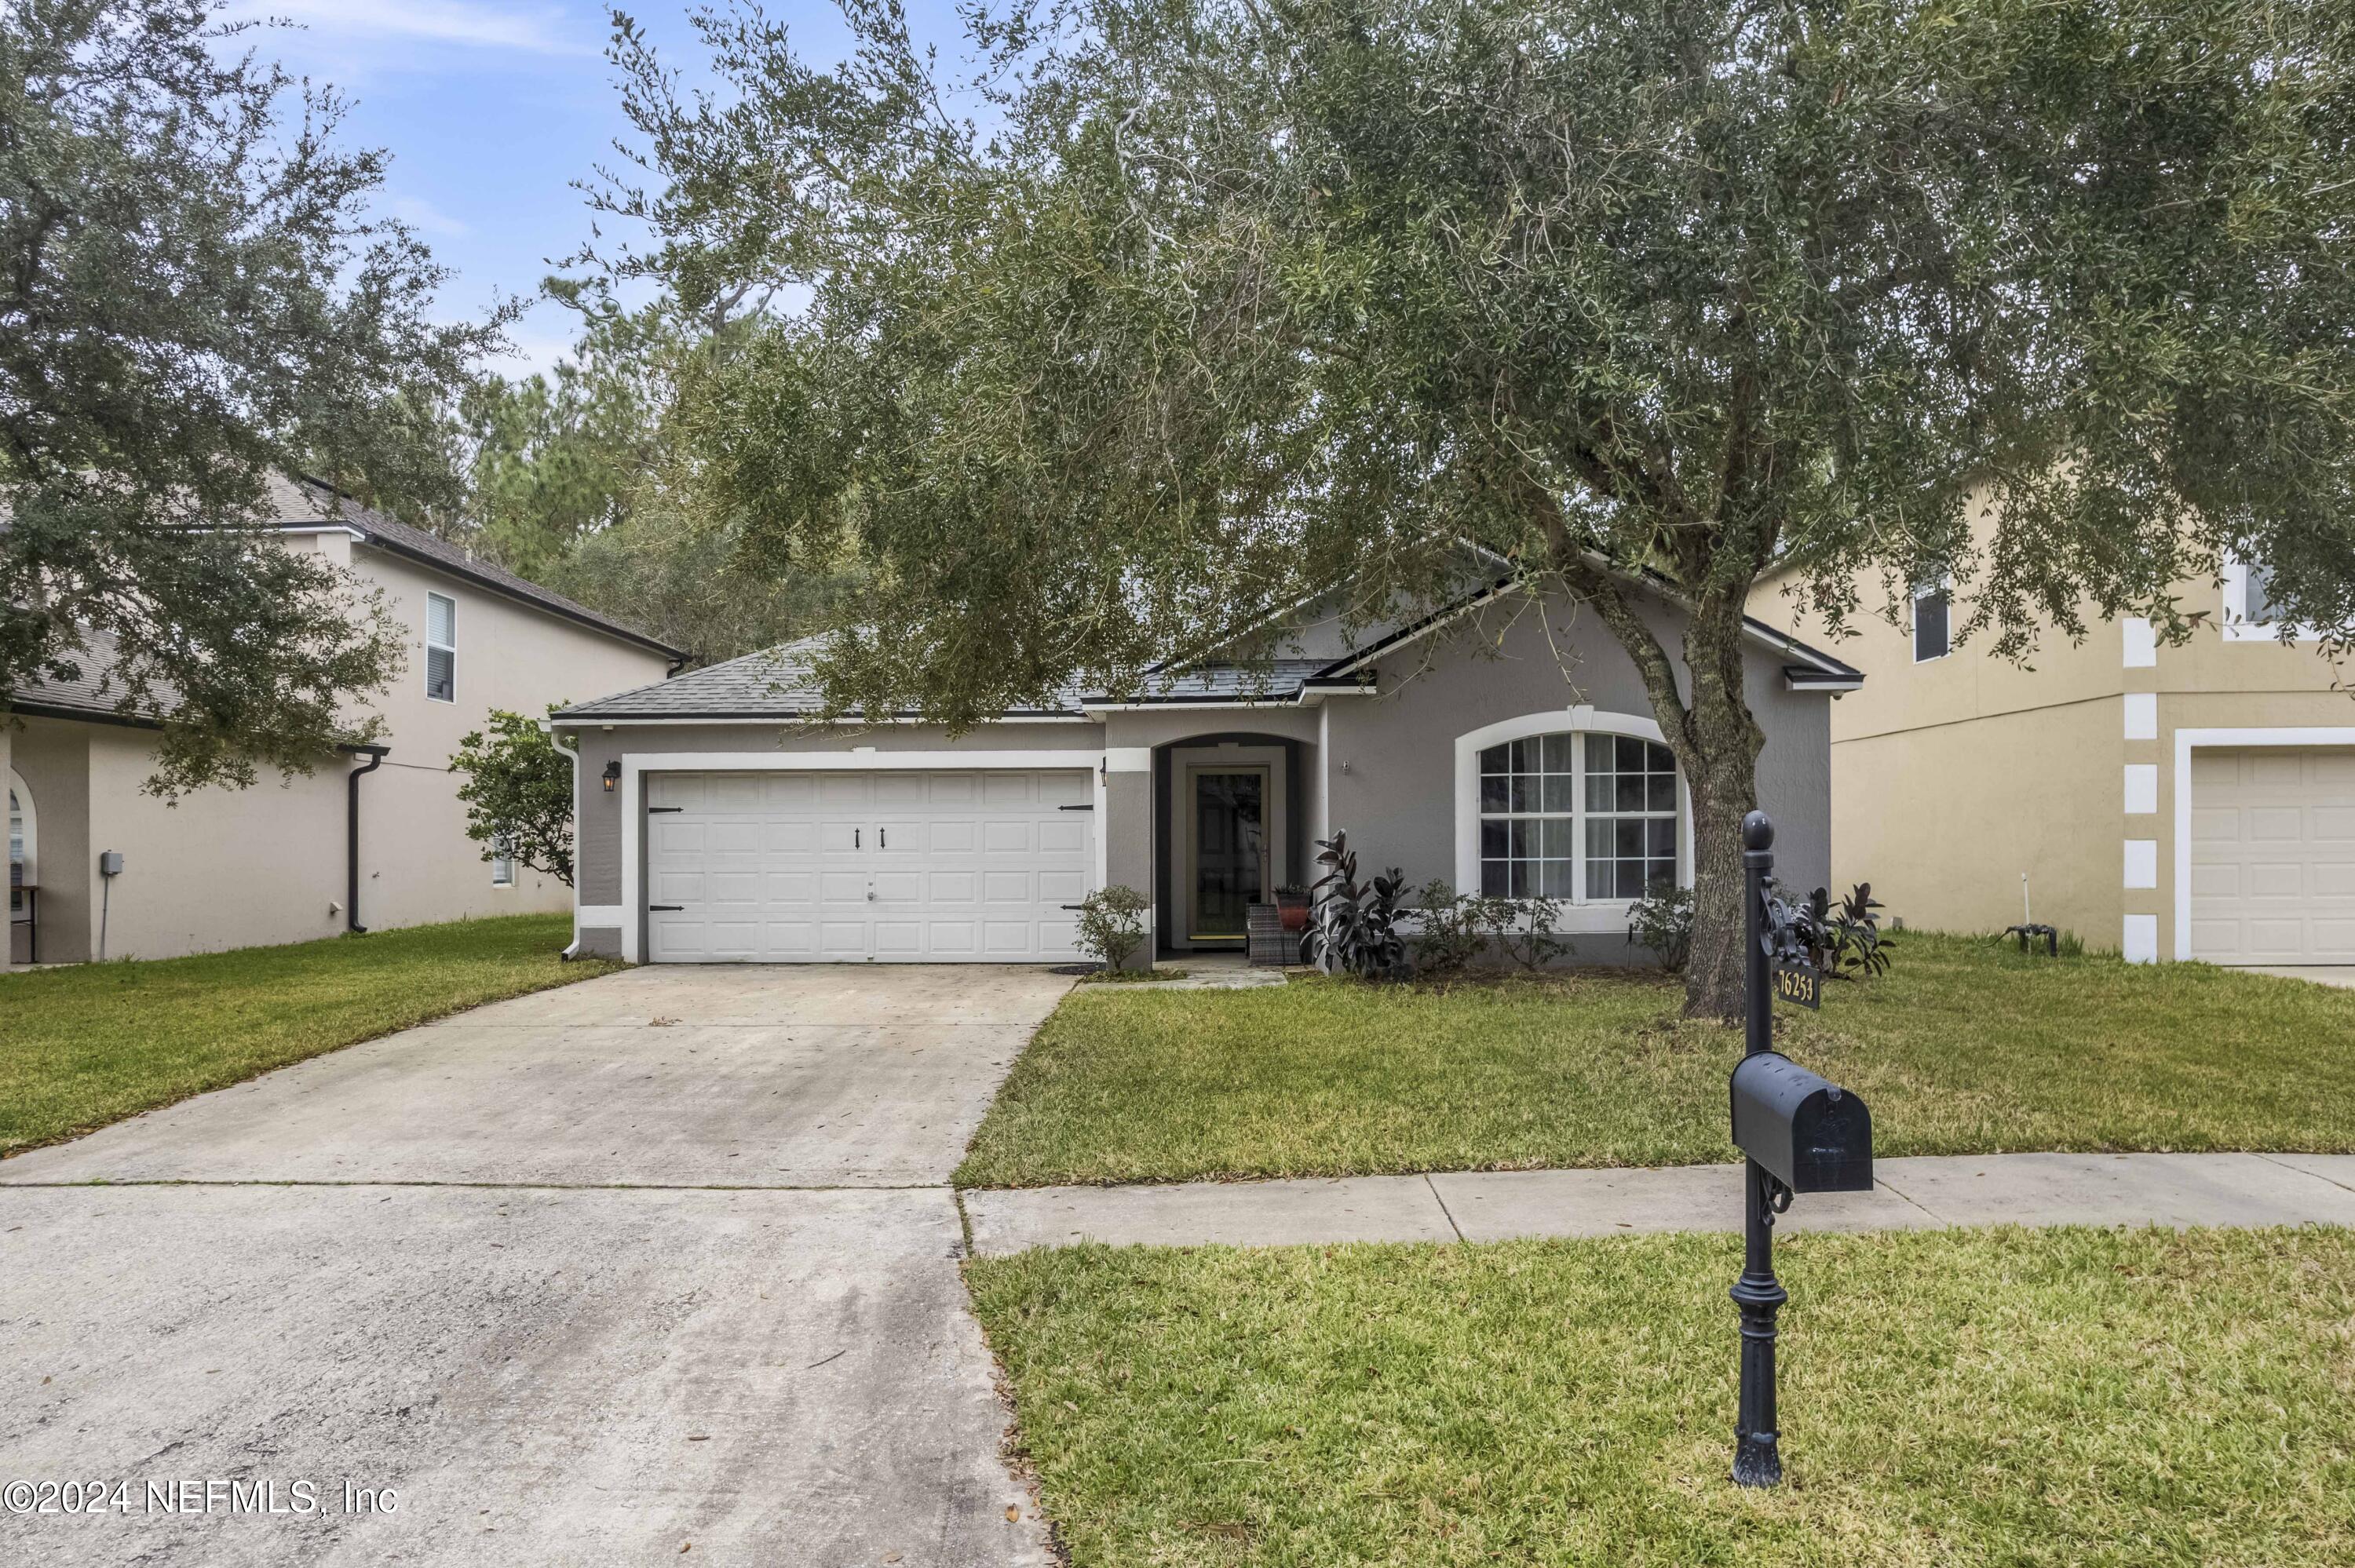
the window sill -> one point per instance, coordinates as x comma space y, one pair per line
2267, 632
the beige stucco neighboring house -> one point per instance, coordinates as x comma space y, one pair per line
281, 862
2194, 801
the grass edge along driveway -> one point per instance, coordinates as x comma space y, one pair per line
83, 1046
2059, 1397
1964, 1047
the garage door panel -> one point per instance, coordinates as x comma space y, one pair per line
952, 940
2274, 824
676, 789
793, 887
887, 866
2335, 823
2272, 855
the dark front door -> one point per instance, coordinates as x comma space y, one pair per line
1230, 851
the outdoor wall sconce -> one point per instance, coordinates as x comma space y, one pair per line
613, 773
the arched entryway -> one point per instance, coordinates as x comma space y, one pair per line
24, 867
1229, 826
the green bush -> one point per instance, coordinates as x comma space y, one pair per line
1111, 923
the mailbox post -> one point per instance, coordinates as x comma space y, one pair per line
1798, 1133
1758, 1295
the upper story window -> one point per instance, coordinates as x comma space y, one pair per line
441, 648
502, 861
1932, 621
2250, 612
1579, 816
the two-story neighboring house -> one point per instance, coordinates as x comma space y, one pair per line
2169, 802
367, 842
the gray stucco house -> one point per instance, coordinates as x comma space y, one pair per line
1503, 743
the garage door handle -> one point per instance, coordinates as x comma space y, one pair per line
672, 907
658, 811
1086, 808
1075, 906
882, 838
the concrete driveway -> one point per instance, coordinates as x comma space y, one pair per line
658, 1266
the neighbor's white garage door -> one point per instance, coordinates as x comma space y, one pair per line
896, 866
2273, 855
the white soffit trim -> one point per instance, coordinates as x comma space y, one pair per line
2185, 740
636, 764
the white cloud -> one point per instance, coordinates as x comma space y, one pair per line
425, 217
538, 29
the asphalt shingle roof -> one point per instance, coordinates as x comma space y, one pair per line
94, 692
313, 503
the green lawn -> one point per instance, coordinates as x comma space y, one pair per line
2050, 1397
83, 1046
1964, 1047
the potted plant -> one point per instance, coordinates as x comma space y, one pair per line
1292, 906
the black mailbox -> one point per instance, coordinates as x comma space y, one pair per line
1809, 1133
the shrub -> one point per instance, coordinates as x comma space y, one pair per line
1842, 942
1353, 928
1111, 923
1662, 920
1459, 929
1451, 939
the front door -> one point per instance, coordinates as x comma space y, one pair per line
1230, 848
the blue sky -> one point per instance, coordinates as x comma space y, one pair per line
490, 109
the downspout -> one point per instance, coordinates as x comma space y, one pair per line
376, 755
573, 950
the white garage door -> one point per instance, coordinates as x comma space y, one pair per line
910, 867
2273, 855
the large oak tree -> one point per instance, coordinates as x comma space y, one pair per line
196, 297
1161, 313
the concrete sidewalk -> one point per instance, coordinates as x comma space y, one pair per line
1496, 1206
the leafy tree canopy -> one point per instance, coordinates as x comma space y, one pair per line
576, 481
517, 790
1164, 312
192, 299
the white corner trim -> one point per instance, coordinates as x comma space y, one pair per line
1583, 718
2139, 938
1128, 759
2141, 788
2141, 642
2142, 716
636, 764
2141, 863
2185, 741
597, 917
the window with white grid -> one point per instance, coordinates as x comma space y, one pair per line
1584, 817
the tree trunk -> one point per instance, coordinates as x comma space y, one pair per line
1721, 742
